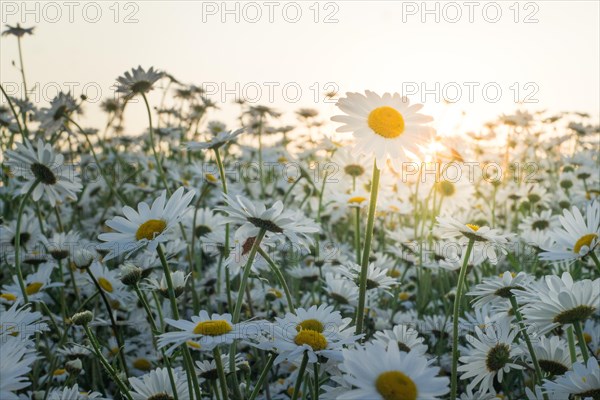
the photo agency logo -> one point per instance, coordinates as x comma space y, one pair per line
453, 12
252, 12
29, 12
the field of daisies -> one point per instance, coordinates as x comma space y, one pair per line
248, 259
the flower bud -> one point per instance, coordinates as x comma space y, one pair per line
130, 274
83, 258
82, 318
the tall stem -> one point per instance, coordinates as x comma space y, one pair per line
536, 365
221, 372
161, 173
18, 241
367, 250
581, 341
280, 278
595, 258
187, 358
300, 376
457, 302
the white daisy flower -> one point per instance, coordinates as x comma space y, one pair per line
583, 382
56, 179
495, 288
555, 301
20, 324
385, 127
316, 332
275, 220
578, 236
157, 385
146, 227
206, 330
552, 354
52, 119
137, 81
216, 141
380, 371
407, 339
490, 355
15, 365
340, 289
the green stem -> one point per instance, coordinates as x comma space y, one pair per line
240, 300
105, 363
280, 278
161, 173
581, 341
300, 376
187, 358
113, 323
12, 108
18, 241
595, 258
357, 233
221, 372
317, 385
263, 377
524, 335
362, 293
457, 302
571, 341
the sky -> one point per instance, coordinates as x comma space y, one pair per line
487, 58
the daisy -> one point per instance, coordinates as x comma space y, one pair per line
207, 369
147, 227
274, 220
20, 324
178, 278
54, 178
35, 285
379, 371
138, 81
157, 385
15, 365
17, 31
340, 289
386, 127
555, 301
543, 222
407, 339
582, 382
316, 332
52, 119
206, 330
492, 289
490, 355
377, 278
72, 393
553, 355
217, 141
577, 237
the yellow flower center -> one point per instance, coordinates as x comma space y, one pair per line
587, 337
386, 122
149, 229
356, 199
445, 188
211, 178
404, 296
276, 293
8, 296
59, 372
311, 324
142, 364
585, 240
216, 327
473, 227
314, 339
33, 288
394, 385
194, 345
105, 284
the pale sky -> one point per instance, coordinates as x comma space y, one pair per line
380, 46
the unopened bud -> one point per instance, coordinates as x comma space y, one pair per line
130, 274
82, 318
